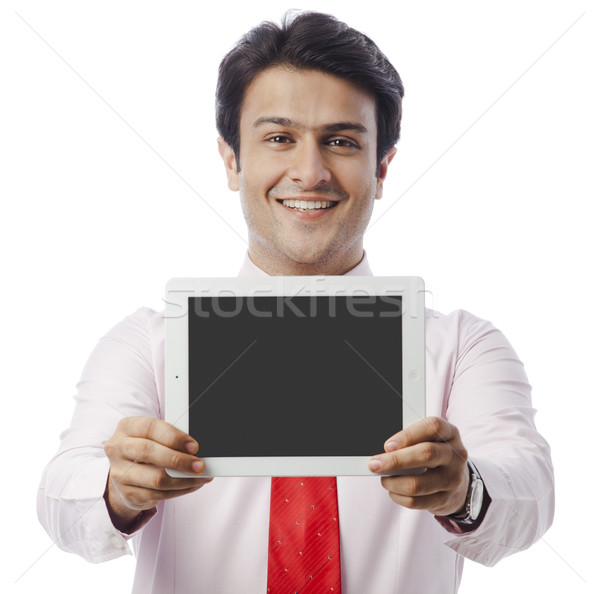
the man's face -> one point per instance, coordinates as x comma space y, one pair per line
308, 174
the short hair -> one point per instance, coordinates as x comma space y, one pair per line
316, 41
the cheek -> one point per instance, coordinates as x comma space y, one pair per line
263, 175
358, 179
367, 191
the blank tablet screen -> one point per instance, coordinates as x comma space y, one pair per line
294, 376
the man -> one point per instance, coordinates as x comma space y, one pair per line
309, 114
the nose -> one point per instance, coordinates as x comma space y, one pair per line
308, 167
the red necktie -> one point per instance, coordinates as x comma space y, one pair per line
304, 538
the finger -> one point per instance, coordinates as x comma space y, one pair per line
433, 503
159, 431
418, 485
422, 455
428, 429
146, 476
441, 502
145, 451
139, 498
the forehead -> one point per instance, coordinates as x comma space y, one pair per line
312, 98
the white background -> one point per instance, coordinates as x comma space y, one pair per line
111, 183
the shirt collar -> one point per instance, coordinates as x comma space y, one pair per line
249, 268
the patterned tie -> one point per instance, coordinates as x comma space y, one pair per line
304, 538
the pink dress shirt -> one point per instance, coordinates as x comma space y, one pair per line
215, 540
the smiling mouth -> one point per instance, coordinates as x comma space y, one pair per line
308, 205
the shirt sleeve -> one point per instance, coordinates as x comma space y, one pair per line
489, 401
118, 381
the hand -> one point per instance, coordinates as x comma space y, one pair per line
139, 452
434, 444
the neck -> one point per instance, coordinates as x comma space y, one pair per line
289, 267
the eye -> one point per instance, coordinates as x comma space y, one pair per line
342, 143
279, 139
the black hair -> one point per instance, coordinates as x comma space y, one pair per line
316, 41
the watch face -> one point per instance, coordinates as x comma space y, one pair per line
476, 499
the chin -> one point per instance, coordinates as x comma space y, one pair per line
309, 256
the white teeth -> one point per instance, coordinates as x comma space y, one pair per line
308, 205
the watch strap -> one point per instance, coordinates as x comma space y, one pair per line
466, 515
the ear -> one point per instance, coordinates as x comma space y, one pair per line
383, 169
231, 169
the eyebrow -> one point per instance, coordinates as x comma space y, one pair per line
288, 123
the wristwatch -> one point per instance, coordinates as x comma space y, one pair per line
474, 501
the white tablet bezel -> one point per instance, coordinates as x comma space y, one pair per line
178, 291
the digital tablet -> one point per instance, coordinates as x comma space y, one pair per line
293, 376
